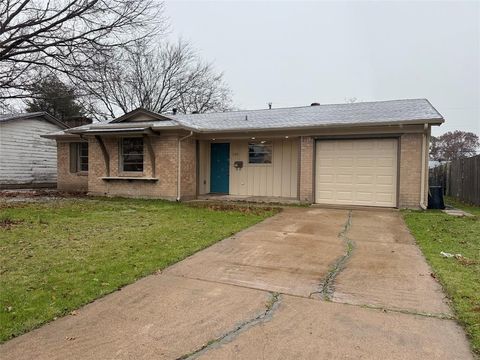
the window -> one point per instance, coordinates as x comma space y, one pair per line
131, 154
79, 157
83, 156
260, 152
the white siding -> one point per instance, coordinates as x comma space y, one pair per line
25, 157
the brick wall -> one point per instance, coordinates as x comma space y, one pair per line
306, 162
67, 181
165, 150
410, 170
189, 169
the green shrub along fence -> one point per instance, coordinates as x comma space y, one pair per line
459, 178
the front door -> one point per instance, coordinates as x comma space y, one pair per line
219, 167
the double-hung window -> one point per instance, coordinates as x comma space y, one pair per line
79, 157
260, 152
131, 154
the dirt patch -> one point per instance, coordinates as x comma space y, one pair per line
8, 223
36, 193
246, 209
466, 261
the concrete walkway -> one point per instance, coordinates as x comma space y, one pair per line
306, 284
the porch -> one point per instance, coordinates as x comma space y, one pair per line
257, 169
247, 199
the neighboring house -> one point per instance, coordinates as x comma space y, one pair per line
26, 158
371, 154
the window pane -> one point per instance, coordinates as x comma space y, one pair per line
83, 149
82, 156
132, 167
260, 152
132, 154
84, 166
132, 158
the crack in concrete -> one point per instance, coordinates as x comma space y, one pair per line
441, 316
270, 307
327, 285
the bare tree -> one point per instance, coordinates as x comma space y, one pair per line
71, 37
454, 145
159, 78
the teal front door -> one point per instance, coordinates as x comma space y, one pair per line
219, 168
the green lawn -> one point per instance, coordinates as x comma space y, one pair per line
56, 256
460, 276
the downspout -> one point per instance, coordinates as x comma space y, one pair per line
179, 164
424, 156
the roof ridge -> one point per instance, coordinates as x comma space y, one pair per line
298, 107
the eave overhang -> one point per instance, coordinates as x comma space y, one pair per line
121, 131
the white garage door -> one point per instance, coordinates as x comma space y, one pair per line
356, 172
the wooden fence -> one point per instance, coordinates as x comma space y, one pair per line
459, 179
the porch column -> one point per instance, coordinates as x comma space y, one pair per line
106, 156
151, 152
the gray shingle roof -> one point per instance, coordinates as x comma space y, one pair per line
332, 115
365, 113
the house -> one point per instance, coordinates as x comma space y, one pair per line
26, 158
370, 154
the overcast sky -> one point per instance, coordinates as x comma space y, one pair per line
294, 53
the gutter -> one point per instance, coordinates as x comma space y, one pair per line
179, 164
423, 173
309, 127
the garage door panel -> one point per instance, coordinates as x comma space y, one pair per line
326, 178
364, 162
345, 179
344, 162
384, 197
364, 145
385, 162
364, 179
340, 146
326, 162
325, 195
386, 145
364, 196
357, 172
345, 195
326, 146
385, 180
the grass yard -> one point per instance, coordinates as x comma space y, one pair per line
460, 276
56, 256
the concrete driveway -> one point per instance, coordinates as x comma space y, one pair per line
306, 284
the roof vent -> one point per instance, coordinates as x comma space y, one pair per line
315, 104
